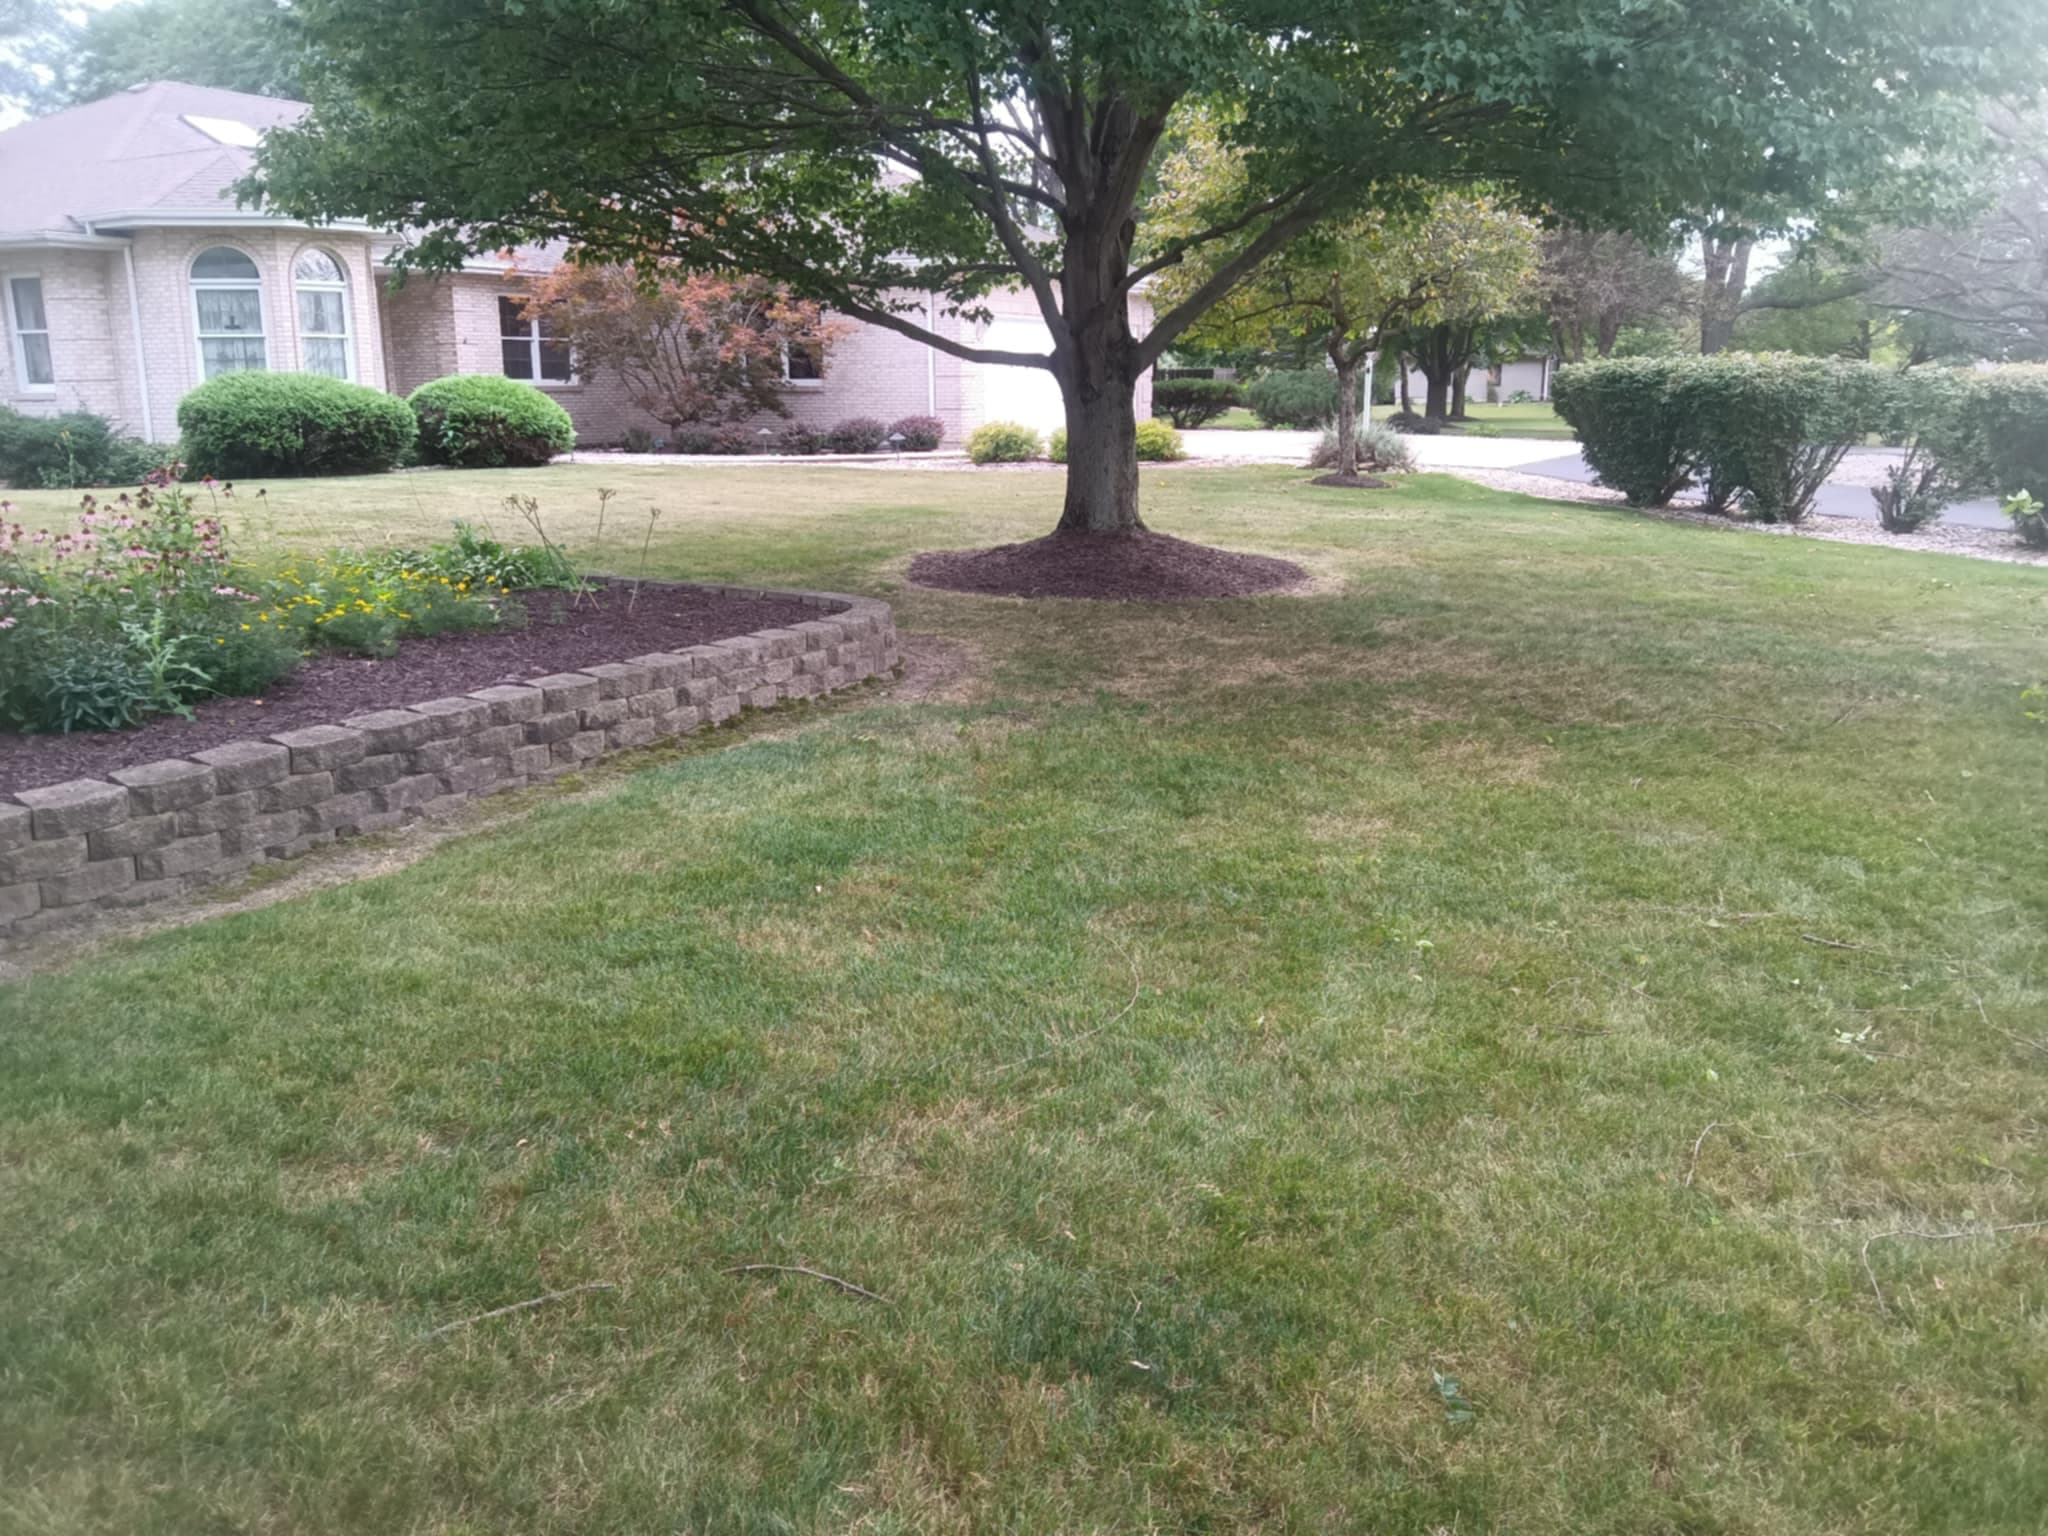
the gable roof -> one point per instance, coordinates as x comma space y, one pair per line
133, 158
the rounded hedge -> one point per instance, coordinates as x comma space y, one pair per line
274, 424
482, 421
1303, 399
1004, 442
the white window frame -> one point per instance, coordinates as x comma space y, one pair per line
198, 285
816, 354
16, 335
530, 334
346, 335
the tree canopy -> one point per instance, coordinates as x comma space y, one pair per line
1596, 283
860, 152
236, 45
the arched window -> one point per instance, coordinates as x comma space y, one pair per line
227, 298
322, 286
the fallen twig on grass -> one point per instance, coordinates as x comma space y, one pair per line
1766, 725
1814, 938
1137, 988
816, 1274
1935, 1237
1712, 1125
521, 1306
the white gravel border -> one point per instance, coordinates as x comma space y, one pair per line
1940, 539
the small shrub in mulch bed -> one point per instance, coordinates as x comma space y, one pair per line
1140, 567
563, 631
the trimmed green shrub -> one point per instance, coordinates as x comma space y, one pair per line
1056, 445
1630, 426
856, 434
1191, 402
919, 434
1767, 429
1159, 443
1003, 442
75, 451
271, 424
1925, 416
1303, 399
482, 421
2000, 441
1771, 427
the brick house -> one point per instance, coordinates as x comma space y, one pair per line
128, 276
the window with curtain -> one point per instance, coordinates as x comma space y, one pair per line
321, 283
530, 351
227, 298
31, 327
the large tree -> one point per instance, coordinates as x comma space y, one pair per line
237, 45
865, 152
1596, 282
33, 37
1981, 283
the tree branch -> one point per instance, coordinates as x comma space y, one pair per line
891, 321
1167, 328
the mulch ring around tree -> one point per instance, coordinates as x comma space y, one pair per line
563, 631
1125, 567
1350, 482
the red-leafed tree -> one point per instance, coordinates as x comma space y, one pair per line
690, 347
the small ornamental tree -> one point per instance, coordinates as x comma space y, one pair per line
893, 157
691, 348
1350, 283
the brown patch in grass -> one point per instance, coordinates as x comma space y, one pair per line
1471, 758
938, 670
1350, 829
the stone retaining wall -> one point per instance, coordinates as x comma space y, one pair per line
73, 851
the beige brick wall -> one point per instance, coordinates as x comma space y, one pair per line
425, 328
79, 289
92, 331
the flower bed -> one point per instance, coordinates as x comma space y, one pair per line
141, 833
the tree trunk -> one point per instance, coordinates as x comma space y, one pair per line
1610, 333
1102, 461
1347, 416
1458, 381
1097, 368
1401, 365
1727, 275
1436, 401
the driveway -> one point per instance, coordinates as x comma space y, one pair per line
1847, 493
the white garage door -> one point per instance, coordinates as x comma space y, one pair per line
1027, 395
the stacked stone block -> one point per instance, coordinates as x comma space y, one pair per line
71, 851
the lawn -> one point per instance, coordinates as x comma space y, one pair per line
1534, 419
1332, 1063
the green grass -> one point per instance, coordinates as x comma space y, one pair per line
1213, 1029
1537, 419
1237, 419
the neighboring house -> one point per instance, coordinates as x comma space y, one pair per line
128, 276
1529, 374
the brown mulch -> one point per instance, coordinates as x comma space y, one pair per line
1131, 567
563, 632
1350, 482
